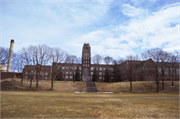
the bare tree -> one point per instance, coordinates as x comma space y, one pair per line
41, 54
108, 60
71, 59
97, 59
78, 60
173, 59
27, 61
130, 68
57, 55
117, 71
164, 58
155, 55
133, 57
4, 54
120, 60
39, 57
17, 63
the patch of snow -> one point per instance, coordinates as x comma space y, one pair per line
79, 92
105, 92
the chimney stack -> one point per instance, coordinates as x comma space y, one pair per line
10, 56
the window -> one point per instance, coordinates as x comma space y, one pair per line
58, 67
166, 72
26, 73
100, 77
85, 70
25, 77
91, 73
46, 73
66, 77
75, 68
45, 77
62, 68
31, 71
92, 68
71, 77
66, 72
67, 68
100, 73
177, 71
104, 69
79, 68
100, 69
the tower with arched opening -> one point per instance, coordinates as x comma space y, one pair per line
86, 62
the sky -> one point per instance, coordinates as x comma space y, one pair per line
113, 28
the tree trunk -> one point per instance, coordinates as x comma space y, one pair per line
36, 83
157, 82
172, 80
21, 80
52, 84
130, 85
31, 82
163, 80
163, 84
109, 78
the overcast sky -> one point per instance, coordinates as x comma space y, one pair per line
113, 28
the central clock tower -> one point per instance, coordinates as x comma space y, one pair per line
86, 62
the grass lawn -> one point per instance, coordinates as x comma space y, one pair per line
54, 104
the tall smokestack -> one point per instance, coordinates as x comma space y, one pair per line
10, 56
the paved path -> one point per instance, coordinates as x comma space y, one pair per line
176, 98
91, 87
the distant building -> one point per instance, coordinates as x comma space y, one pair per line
144, 70
118, 72
30, 72
86, 68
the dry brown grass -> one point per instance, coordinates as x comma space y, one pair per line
137, 87
142, 102
63, 86
69, 86
53, 104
